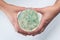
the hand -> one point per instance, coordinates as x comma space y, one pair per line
48, 14
11, 11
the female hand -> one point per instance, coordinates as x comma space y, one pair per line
11, 11
48, 14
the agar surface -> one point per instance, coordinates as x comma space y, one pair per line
28, 20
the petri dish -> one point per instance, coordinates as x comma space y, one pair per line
29, 20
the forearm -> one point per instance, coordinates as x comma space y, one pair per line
57, 4
2, 4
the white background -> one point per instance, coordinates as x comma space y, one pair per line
7, 31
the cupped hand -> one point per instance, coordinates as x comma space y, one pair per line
48, 14
11, 11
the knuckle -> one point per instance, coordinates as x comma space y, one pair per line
46, 22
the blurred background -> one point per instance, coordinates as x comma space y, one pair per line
7, 31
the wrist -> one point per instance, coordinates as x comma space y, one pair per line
57, 5
2, 4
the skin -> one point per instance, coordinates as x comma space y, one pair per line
11, 11
48, 13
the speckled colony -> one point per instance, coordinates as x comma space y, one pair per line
28, 20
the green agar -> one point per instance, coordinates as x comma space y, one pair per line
28, 20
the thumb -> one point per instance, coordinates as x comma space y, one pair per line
18, 9
22, 8
40, 10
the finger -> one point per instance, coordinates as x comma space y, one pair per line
22, 31
42, 26
38, 10
17, 28
20, 9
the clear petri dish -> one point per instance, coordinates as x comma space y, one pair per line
29, 20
